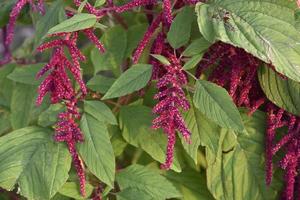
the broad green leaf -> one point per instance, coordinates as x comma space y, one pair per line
180, 30
53, 16
192, 123
237, 170
22, 104
71, 189
49, 116
215, 102
29, 158
263, 28
147, 181
191, 183
196, 47
133, 193
115, 43
96, 150
77, 22
135, 123
161, 59
26, 74
99, 3
192, 62
100, 111
283, 93
134, 79
100, 83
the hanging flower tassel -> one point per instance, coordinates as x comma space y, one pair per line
171, 98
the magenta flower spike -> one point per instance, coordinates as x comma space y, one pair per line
168, 11
171, 98
13, 19
146, 38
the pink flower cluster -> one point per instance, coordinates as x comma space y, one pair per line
290, 143
61, 89
236, 70
9, 29
171, 98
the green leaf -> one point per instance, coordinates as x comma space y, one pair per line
71, 189
53, 16
100, 83
100, 111
77, 22
133, 193
134, 35
263, 28
192, 123
115, 43
99, 3
283, 93
96, 150
29, 158
217, 105
238, 167
49, 116
192, 62
192, 184
147, 181
135, 78
135, 123
161, 59
22, 104
196, 47
26, 74
180, 30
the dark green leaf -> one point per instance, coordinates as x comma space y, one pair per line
134, 79
53, 16
180, 30
100, 83
192, 184
134, 36
77, 22
283, 93
217, 105
115, 42
263, 28
135, 123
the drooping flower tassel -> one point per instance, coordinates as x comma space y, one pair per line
171, 98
